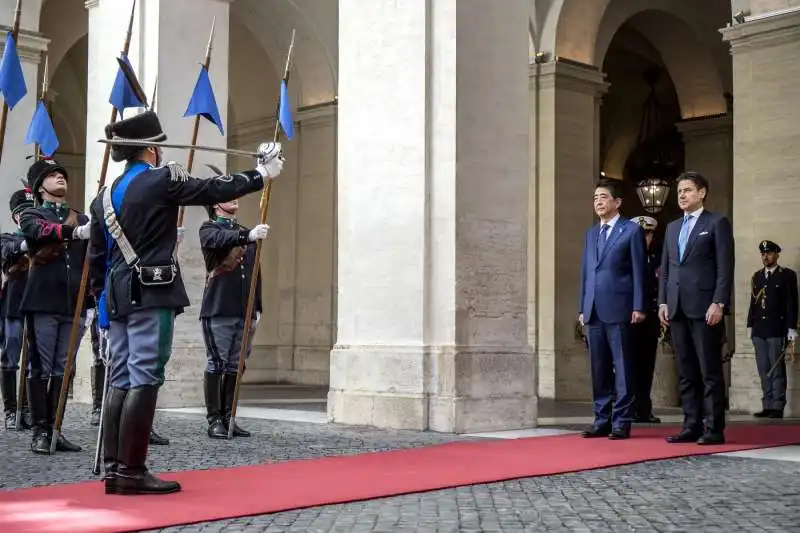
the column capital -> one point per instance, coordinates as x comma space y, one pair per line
767, 30
30, 45
571, 75
708, 125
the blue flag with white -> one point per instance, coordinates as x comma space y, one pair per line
285, 112
12, 79
42, 132
203, 102
122, 95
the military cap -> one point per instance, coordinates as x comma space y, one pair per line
142, 127
647, 223
20, 201
768, 246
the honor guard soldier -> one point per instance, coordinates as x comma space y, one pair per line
229, 252
644, 335
56, 239
15, 273
134, 269
771, 321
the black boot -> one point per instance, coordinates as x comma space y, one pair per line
111, 423
157, 440
98, 384
228, 389
212, 383
136, 422
37, 398
53, 392
8, 388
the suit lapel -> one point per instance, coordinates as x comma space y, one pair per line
612, 238
698, 228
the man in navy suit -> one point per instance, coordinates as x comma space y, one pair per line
613, 279
694, 293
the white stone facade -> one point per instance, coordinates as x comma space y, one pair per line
427, 229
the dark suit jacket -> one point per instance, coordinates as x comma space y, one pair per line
614, 285
705, 275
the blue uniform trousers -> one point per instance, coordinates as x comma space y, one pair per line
48, 339
12, 344
140, 346
223, 337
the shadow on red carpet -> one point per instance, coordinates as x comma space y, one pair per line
267, 488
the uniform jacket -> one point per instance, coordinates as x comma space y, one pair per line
705, 274
148, 217
613, 284
653, 264
14, 263
226, 292
779, 312
53, 282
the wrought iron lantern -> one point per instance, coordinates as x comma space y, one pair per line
653, 194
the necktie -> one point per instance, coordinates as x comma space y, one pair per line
683, 238
601, 241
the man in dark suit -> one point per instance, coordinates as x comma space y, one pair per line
771, 321
694, 293
613, 277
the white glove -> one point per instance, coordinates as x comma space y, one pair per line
23, 246
82, 232
259, 232
792, 335
749, 333
270, 160
258, 316
89, 315
181, 231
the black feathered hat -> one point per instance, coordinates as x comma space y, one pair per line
142, 127
39, 171
20, 201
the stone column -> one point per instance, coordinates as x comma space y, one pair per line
169, 44
765, 185
708, 143
565, 166
432, 200
30, 47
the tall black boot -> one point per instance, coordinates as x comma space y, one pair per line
136, 422
228, 389
53, 392
111, 424
37, 399
212, 384
8, 388
98, 384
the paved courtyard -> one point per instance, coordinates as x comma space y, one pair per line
709, 494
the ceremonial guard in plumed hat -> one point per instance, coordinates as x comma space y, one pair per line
134, 272
772, 325
229, 251
56, 239
644, 335
15, 274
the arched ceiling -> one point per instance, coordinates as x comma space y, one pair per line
63, 22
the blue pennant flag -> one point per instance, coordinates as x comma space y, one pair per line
122, 95
203, 102
285, 112
41, 131
12, 79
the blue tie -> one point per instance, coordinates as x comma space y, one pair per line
683, 238
601, 241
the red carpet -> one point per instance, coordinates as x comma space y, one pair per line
242, 491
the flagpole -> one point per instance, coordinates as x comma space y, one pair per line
72, 346
44, 100
248, 316
4, 113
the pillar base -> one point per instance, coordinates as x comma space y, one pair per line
437, 388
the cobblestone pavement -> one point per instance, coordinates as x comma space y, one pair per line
709, 494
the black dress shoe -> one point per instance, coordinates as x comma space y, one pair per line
684, 436
650, 419
776, 413
596, 432
157, 439
620, 433
764, 413
710, 438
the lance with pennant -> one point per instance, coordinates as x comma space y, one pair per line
12, 79
72, 345
281, 113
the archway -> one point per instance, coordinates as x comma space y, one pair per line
296, 332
